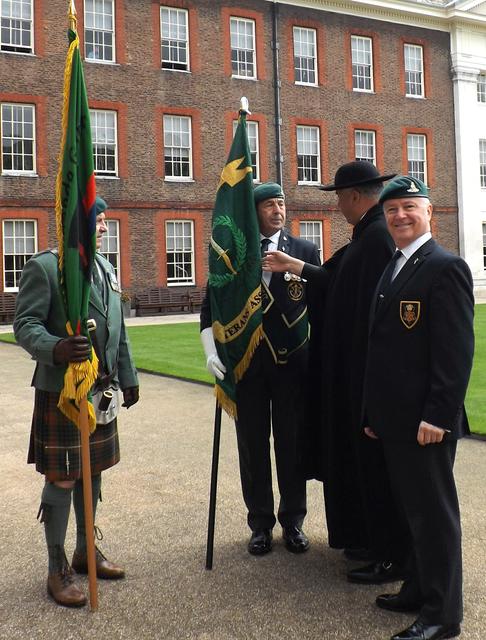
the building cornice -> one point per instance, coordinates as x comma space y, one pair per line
438, 18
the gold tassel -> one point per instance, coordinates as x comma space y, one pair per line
244, 363
225, 402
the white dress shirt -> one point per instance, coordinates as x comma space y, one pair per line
408, 251
273, 246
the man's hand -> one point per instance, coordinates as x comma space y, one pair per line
72, 349
213, 363
279, 261
130, 396
370, 433
428, 434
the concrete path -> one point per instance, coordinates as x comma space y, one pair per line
154, 518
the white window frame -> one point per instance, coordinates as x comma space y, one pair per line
239, 36
482, 163
18, 172
308, 146
171, 136
358, 64
305, 51
365, 138
101, 32
413, 151
414, 66
100, 138
481, 88
175, 38
12, 47
17, 270
252, 127
173, 281
311, 230
112, 236
484, 246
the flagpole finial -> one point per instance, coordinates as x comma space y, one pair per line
72, 15
244, 106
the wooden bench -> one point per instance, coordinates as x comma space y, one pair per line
161, 300
196, 296
7, 307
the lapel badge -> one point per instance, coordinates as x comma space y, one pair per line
409, 312
295, 290
114, 282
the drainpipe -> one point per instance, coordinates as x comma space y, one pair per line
276, 85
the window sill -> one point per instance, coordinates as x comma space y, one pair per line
19, 174
306, 84
409, 95
111, 63
301, 183
244, 78
186, 180
372, 91
181, 284
31, 54
101, 177
188, 71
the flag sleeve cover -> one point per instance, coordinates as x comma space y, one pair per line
234, 279
76, 227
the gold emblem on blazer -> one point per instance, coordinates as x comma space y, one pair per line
409, 312
295, 290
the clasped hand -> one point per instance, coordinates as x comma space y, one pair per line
427, 434
72, 349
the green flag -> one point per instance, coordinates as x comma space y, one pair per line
76, 226
235, 269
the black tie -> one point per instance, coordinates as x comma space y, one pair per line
386, 279
265, 242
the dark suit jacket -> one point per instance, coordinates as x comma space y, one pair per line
421, 347
283, 304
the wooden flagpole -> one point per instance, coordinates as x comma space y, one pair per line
85, 454
88, 503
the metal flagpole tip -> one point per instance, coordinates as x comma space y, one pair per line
244, 106
72, 7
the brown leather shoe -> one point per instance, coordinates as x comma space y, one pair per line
62, 588
105, 570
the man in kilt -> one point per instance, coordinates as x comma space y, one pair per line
55, 442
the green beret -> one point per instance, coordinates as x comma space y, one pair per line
100, 205
404, 187
267, 190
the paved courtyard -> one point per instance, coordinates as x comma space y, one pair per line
154, 519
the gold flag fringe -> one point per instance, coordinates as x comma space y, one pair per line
78, 380
65, 116
224, 401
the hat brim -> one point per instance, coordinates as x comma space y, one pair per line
355, 183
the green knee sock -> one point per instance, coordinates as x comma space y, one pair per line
55, 507
78, 500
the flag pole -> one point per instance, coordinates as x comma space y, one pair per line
214, 486
85, 454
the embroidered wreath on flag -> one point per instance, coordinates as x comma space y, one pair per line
220, 280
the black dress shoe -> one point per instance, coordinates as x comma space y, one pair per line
421, 631
295, 540
396, 602
260, 542
376, 573
351, 553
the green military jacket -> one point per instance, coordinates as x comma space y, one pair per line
40, 322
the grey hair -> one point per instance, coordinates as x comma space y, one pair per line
370, 190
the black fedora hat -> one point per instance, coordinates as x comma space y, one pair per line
355, 173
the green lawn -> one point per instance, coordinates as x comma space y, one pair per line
175, 349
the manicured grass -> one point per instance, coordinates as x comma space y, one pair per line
175, 349
171, 349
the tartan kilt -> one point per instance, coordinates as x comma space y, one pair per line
55, 442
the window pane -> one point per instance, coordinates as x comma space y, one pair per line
18, 141
305, 55
243, 53
308, 155
312, 231
365, 146
174, 39
19, 244
177, 147
416, 155
16, 26
99, 30
110, 246
362, 63
414, 70
103, 133
180, 251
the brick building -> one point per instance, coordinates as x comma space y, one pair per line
346, 80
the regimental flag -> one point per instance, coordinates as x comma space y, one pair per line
235, 269
76, 226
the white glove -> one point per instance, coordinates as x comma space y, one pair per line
213, 363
